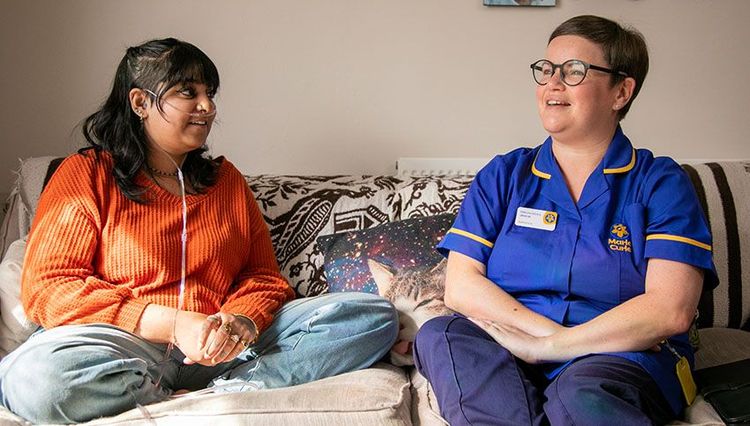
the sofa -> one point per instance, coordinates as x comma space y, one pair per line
314, 220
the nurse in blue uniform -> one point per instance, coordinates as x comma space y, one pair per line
576, 267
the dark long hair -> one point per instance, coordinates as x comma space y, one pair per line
157, 66
624, 48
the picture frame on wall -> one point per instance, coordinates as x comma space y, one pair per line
519, 2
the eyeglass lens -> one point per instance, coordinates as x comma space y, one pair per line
572, 72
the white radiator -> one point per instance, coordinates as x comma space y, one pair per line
427, 166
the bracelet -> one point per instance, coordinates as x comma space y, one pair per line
254, 325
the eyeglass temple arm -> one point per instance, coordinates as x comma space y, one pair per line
598, 68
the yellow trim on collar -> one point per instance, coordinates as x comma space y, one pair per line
536, 171
685, 240
622, 169
471, 236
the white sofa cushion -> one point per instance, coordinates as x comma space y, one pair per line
31, 180
15, 328
9, 229
374, 396
23, 200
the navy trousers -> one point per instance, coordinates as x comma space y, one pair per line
478, 382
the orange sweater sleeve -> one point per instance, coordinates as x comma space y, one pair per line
59, 285
259, 290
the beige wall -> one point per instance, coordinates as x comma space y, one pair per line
348, 86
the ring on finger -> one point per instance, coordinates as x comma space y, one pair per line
244, 343
227, 327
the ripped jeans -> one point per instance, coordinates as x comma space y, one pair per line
80, 372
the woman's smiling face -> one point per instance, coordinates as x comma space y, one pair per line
183, 124
575, 112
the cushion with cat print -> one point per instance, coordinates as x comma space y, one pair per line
397, 260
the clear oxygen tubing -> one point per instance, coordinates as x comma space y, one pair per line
221, 385
229, 386
183, 274
174, 105
183, 258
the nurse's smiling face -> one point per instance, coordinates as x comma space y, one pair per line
588, 111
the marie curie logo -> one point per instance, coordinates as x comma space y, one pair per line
619, 239
549, 218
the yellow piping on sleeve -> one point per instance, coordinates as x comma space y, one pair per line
685, 240
470, 236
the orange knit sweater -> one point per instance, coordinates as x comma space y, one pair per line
96, 257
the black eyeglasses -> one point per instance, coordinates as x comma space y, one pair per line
572, 71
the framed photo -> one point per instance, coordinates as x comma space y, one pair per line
519, 2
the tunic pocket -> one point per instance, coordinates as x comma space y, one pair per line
519, 260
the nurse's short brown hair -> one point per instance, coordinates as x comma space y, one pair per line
624, 48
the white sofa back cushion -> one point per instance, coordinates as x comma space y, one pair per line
15, 328
724, 191
23, 200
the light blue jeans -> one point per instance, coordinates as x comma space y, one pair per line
77, 373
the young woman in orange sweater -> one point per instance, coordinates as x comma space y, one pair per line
151, 270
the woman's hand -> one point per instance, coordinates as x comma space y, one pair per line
531, 349
220, 338
188, 336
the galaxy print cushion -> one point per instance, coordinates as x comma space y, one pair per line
397, 260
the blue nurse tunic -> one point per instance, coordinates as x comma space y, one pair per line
573, 261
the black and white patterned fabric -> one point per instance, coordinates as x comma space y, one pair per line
432, 195
724, 192
298, 209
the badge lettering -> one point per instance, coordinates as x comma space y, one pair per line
537, 219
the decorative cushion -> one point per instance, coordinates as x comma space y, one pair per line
432, 195
724, 192
299, 208
398, 261
15, 328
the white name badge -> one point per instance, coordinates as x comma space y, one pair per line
537, 219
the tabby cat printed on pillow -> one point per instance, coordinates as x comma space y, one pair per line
417, 295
